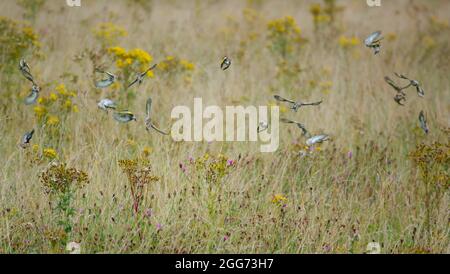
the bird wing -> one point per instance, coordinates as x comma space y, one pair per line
134, 82
281, 99
149, 69
401, 76
103, 83
313, 104
148, 107
303, 128
372, 38
31, 98
158, 130
392, 83
420, 91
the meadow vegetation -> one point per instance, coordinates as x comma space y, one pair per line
115, 188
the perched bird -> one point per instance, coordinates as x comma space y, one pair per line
140, 77
124, 116
25, 142
106, 104
26, 72
262, 126
423, 122
317, 139
413, 83
374, 41
295, 105
33, 96
299, 125
111, 78
226, 63
148, 121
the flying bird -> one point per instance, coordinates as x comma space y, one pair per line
106, 104
299, 125
25, 141
374, 41
33, 96
26, 72
226, 63
111, 78
148, 121
413, 83
317, 139
140, 77
295, 105
423, 122
124, 116
262, 126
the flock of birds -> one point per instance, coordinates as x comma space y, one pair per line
373, 41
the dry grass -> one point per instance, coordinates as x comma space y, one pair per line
334, 203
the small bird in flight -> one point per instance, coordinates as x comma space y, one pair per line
33, 96
423, 122
262, 126
299, 125
106, 104
317, 139
25, 142
413, 83
374, 41
111, 78
26, 72
140, 77
226, 63
400, 97
124, 116
148, 121
296, 105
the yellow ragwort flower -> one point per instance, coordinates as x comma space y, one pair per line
50, 153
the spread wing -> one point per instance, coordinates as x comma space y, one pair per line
31, 99
148, 107
313, 104
420, 91
392, 83
158, 130
134, 82
281, 99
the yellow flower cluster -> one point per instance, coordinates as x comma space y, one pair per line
279, 199
16, 39
348, 42
213, 168
319, 16
286, 25
284, 36
324, 14
50, 153
50, 108
108, 33
60, 179
136, 58
172, 63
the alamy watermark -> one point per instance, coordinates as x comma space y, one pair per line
374, 3
231, 126
73, 3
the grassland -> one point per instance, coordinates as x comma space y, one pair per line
362, 186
